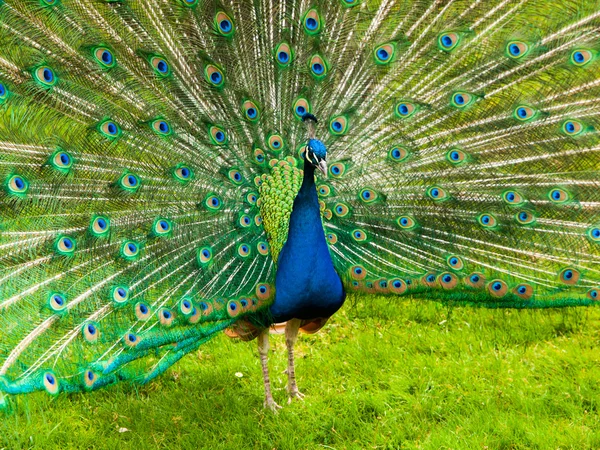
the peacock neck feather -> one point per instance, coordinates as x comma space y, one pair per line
307, 285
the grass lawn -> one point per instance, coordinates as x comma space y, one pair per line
387, 374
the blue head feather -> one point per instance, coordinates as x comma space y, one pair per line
318, 148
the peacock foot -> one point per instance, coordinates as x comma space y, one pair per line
270, 404
295, 393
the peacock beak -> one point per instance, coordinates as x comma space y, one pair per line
323, 167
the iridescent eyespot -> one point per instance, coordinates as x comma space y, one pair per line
263, 291
338, 125
569, 276
259, 156
301, 107
572, 127
594, 233
162, 227
516, 49
45, 76
456, 156
525, 218
275, 143
475, 280
358, 272
251, 198
448, 280
161, 127
312, 22
318, 67
142, 311
212, 202
104, 57
119, 294
243, 250
368, 195
332, 238
324, 190
89, 379
558, 195
429, 279
398, 154
350, 3
384, 54
524, 113
214, 75
251, 111
3, 93
244, 220
263, 248
129, 182
397, 286
57, 302
224, 25
61, 161
217, 135
406, 222
455, 262
487, 220
204, 255
524, 291
405, 109
17, 185
130, 250
100, 226
234, 308
160, 66
183, 173
341, 210
50, 382
359, 235
284, 55
436, 193
513, 198
90, 332
448, 41
593, 294
235, 176
337, 170
497, 288
165, 317
110, 129
462, 99
581, 57
65, 245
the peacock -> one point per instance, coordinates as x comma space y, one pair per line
175, 169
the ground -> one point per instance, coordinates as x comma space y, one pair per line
385, 374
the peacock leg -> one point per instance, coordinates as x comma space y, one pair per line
263, 350
291, 335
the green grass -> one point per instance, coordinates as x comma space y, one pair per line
389, 374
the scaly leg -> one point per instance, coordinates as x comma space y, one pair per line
291, 335
263, 350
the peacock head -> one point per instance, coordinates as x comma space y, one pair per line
316, 152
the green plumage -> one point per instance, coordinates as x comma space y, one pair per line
149, 163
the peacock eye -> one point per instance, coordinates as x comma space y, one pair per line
581, 57
448, 41
104, 57
224, 24
462, 99
524, 113
572, 127
160, 66
516, 49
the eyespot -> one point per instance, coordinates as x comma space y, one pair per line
275, 143
45, 76
57, 302
341, 210
50, 383
324, 190
183, 173
461, 99
332, 238
525, 218
487, 220
235, 176
100, 226
368, 196
456, 156
569, 276
161, 227
214, 76
581, 57
436, 193
161, 127
593, 294
318, 67
384, 54
104, 57
513, 198
130, 250
350, 3
160, 66
301, 106
397, 286
524, 113
337, 170
516, 49
497, 288
448, 280
251, 111
259, 156
89, 379
65, 245
448, 41
358, 272
398, 154
206, 308
17, 185
429, 279
475, 280
359, 235
110, 129
61, 161
338, 125
3, 93
204, 256
558, 195
263, 291
524, 291
244, 221
119, 294
455, 262
405, 109
262, 248
243, 250
251, 198
194, 316
142, 311
406, 222
217, 135
283, 55
312, 22
593, 234
165, 317
129, 182
572, 127
224, 25
90, 332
